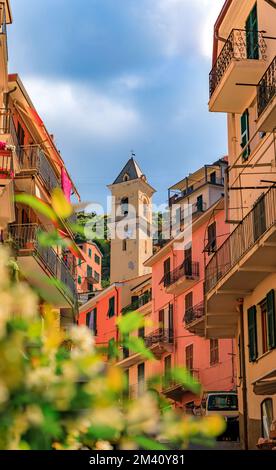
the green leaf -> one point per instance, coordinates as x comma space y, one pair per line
146, 443
113, 349
137, 345
61, 206
130, 322
37, 205
76, 228
185, 378
52, 239
98, 431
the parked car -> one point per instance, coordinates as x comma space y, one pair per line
226, 405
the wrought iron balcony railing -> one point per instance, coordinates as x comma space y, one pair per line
161, 335
266, 89
6, 164
25, 238
142, 300
260, 219
194, 313
188, 269
33, 158
240, 45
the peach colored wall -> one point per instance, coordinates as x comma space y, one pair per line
106, 328
212, 377
89, 261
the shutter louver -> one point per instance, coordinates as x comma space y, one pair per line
271, 319
252, 334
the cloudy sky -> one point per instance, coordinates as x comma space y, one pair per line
108, 76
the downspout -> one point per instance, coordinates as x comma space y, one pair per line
117, 312
243, 378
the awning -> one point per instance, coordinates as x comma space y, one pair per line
265, 385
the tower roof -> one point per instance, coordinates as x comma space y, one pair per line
131, 171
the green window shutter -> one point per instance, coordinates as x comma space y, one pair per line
252, 333
111, 309
251, 27
271, 319
79, 280
245, 134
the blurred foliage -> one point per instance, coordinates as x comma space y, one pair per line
59, 391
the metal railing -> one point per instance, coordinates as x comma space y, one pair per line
193, 186
25, 237
161, 335
170, 384
33, 158
6, 164
188, 269
240, 45
261, 217
194, 313
142, 300
266, 89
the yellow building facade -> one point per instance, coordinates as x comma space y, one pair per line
241, 276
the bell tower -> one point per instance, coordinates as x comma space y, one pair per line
131, 238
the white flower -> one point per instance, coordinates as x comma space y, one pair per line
82, 338
143, 414
40, 378
103, 445
34, 415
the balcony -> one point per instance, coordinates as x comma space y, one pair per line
141, 304
245, 259
181, 278
37, 261
32, 160
175, 391
6, 167
241, 62
176, 196
158, 342
194, 319
266, 94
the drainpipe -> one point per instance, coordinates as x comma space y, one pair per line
243, 370
117, 312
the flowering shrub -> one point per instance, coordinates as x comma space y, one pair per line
56, 391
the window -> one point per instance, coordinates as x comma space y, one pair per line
267, 416
97, 259
124, 245
271, 319
259, 218
141, 332
89, 271
251, 27
212, 238
213, 177
111, 308
167, 271
124, 206
199, 203
263, 307
90, 287
252, 334
245, 134
188, 260
126, 177
161, 316
168, 366
96, 276
214, 351
79, 280
188, 307
91, 321
89, 252
190, 357
141, 378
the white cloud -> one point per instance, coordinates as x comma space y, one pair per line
81, 110
184, 26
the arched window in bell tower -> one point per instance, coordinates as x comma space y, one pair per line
124, 206
126, 177
145, 207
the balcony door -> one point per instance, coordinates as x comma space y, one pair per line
251, 27
188, 260
167, 271
141, 378
259, 218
